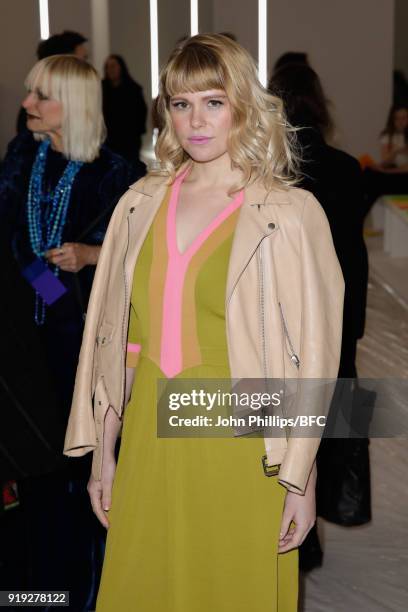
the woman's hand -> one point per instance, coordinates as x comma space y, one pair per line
301, 509
100, 491
73, 256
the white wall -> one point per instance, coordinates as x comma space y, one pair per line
239, 17
19, 35
350, 45
69, 15
100, 36
130, 37
174, 23
205, 15
130, 34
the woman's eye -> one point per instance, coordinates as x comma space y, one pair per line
180, 105
41, 96
215, 103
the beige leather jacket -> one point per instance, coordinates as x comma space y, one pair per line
282, 263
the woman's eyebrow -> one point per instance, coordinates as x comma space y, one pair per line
210, 97
214, 96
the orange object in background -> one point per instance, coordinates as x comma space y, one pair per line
366, 161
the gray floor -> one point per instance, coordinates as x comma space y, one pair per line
366, 568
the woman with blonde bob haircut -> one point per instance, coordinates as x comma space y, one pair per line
214, 267
58, 187
76, 85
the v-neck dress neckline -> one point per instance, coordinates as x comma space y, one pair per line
173, 248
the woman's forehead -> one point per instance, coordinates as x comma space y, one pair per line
202, 95
39, 79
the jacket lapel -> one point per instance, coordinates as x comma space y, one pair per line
149, 194
142, 210
257, 212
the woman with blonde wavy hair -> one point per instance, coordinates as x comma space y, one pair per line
214, 267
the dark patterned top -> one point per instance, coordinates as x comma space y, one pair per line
95, 192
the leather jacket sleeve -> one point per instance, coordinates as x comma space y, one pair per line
322, 294
81, 436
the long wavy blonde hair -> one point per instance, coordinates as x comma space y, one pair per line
261, 144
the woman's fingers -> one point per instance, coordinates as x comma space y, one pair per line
65, 257
294, 538
286, 520
55, 256
106, 496
65, 261
95, 494
108, 475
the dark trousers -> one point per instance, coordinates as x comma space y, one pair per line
64, 541
336, 498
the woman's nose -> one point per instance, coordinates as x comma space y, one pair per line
28, 101
197, 118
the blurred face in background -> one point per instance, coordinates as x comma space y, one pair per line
44, 115
202, 122
113, 70
81, 52
401, 120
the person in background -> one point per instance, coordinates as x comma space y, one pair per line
124, 109
394, 141
68, 42
290, 58
400, 89
335, 178
390, 176
58, 187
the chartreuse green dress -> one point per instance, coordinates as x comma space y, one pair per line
194, 522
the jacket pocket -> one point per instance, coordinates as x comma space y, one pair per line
289, 345
105, 334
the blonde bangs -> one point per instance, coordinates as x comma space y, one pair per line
194, 71
38, 80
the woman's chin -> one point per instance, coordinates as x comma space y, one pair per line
30, 125
33, 125
203, 157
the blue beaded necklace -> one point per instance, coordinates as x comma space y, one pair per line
47, 213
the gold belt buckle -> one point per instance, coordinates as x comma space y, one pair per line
269, 470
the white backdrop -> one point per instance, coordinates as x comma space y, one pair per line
350, 44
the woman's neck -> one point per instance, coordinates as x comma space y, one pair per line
56, 142
217, 173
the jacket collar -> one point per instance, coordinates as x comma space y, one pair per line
255, 192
